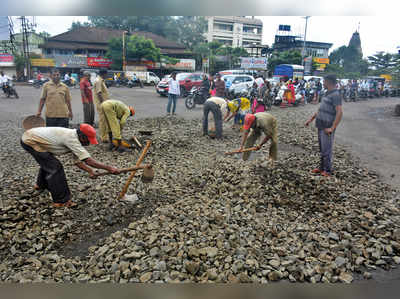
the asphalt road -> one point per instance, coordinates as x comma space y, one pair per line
368, 128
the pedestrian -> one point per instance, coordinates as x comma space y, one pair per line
57, 98
173, 93
237, 108
205, 87
327, 119
216, 105
212, 90
254, 125
219, 87
87, 99
44, 143
100, 95
116, 113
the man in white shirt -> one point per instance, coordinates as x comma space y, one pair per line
44, 143
173, 93
3, 79
216, 105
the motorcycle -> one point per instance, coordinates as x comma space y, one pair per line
352, 95
9, 89
39, 83
133, 83
195, 96
71, 83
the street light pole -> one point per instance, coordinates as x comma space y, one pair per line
123, 52
305, 37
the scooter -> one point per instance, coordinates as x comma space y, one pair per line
9, 90
196, 96
39, 83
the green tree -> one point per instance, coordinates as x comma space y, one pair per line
78, 24
285, 57
382, 61
44, 34
136, 48
191, 30
162, 25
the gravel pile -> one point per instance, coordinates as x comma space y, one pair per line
205, 218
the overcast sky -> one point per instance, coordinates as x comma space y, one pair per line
378, 33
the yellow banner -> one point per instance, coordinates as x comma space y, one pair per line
321, 60
42, 62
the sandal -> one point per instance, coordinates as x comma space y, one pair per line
326, 174
68, 204
316, 170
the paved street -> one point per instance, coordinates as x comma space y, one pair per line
146, 101
368, 127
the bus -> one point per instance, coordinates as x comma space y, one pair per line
290, 71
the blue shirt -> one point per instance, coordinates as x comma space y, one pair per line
327, 110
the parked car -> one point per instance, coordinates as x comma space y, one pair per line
162, 86
236, 84
187, 81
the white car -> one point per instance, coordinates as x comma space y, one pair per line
238, 83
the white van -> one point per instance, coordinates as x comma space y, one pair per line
146, 77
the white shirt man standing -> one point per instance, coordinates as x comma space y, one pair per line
173, 93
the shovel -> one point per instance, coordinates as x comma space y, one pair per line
147, 176
242, 151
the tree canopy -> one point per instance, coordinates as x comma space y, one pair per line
285, 57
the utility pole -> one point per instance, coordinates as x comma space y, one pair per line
123, 51
304, 44
25, 26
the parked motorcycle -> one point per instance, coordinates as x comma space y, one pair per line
195, 96
9, 89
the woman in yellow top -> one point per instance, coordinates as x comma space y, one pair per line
116, 113
237, 108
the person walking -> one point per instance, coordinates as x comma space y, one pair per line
87, 99
215, 105
100, 95
173, 93
116, 114
57, 98
327, 118
44, 143
254, 125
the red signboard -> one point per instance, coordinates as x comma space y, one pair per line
99, 62
6, 57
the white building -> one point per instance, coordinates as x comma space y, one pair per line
234, 31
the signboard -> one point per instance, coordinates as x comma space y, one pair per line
70, 61
258, 63
99, 62
43, 62
284, 27
182, 64
307, 66
6, 59
321, 60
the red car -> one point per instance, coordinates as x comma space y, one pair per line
186, 82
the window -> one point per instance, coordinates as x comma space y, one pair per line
248, 79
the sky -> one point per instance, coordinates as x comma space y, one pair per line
377, 33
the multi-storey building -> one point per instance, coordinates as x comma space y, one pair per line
234, 31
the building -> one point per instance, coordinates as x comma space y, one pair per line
234, 31
85, 47
34, 40
355, 42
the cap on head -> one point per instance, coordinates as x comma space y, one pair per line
132, 110
248, 121
90, 133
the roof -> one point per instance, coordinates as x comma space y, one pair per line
248, 21
96, 37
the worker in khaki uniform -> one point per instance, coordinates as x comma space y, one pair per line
116, 113
100, 95
57, 98
255, 124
